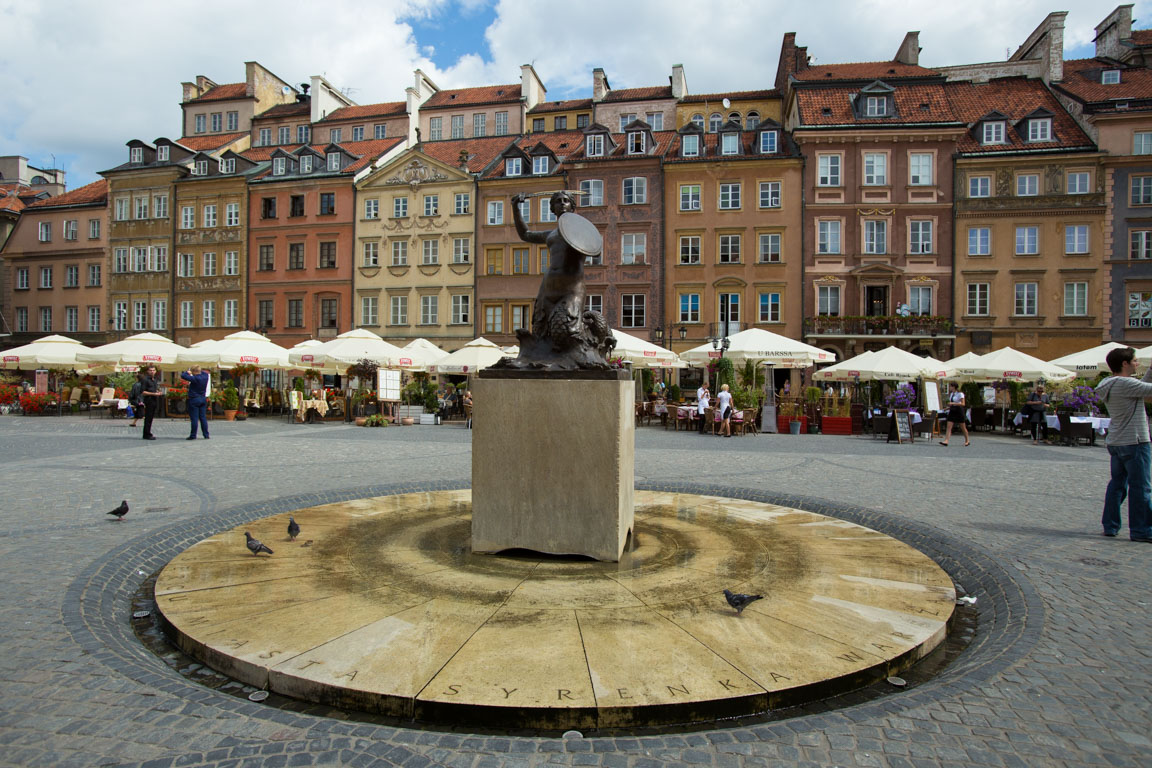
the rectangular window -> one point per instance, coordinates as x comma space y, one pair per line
209, 264
162, 153
689, 308
231, 262
22, 319
231, 313
201, 123
978, 294
1075, 298
93, 276
372, 209
120, 316
435, 128
159, 208
690, 145
71, 319
94, 228
1141, 190
828, 300
729, 197
920, 299
120, 260
284, 134
1027, 241
1139, 309
209, 215
495, 212
875, 168
46, 320
232, 215
1040, 129
160, 258
493, 319
875, 236
494, 261
1076, 238
828, 170
769, 251
1141, 241
875, 106
540, 165
369, 310
828, 237
329, 310
633, 248
635, 190
1027, 185
767, 142
501, 123
689, 197
431, 205
461, 250
267, 258
380, 131
430, 251
637, 143
45, 277
979, 241
93, 319
295, 313
140, 259
560, 123
185, 265
121, 209
399, 253
296, 256
594, 145
920, 237
591, 192
479, 124
306, 163
140, 315
357, 133
398, 310
594, 302
546, 213
462, 203
160, 314
233, 120
327, 203
266, 313
1078, 183
993, 133
140, 210
429, 310
461, 309
22, 279
335, 135
520, 265
371, 254
1142, 143
632, 307
333, 161
729, 252
920, 168
457, 126
769, 308
200, 168
72, 276
544, 257
769, 194
690, 249
217, 122
327, 254
399, 207
279, 166
1026, 299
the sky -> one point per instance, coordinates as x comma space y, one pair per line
83, 77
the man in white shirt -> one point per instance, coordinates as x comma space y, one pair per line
701, 406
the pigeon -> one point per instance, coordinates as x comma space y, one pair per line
254, 545
293, 529
120, 511
738, 601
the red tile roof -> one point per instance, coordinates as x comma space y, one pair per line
640, 94
562, 144
205, 143
1082, 81
664, 139
1015, 98
260, 154
89, 194
914, 104
863, 70
561, 106
474, 97
1142, 36
15, 197
366, 153
700, 98
749, 141
480, 151
10, 201
223, 93
285, 110
385, 109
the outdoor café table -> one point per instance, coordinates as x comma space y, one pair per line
1051, 419
1099, 423
913, 416
321, 407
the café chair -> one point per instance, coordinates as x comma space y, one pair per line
1071, 433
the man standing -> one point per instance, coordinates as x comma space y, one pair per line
150, 390
197, 399
701, 406
1128, 445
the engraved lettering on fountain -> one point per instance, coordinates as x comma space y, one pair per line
452, 690
351, 676
507, 692
777, 677
674, 689
623, 693
563, 693
850, 656
270, 654
309, 663
728, 685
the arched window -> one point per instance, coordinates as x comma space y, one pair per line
698, 119
752, 121
714, 121
735, 116
39, 180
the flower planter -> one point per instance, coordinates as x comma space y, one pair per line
783, 425
836, 425
361, 420
407, 421
229, 415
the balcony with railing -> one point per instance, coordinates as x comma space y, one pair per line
918, 326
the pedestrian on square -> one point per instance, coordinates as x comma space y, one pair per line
151, 394
724, 405
1037, 412
197, 399
1128, 445
956, 413
468, 408
136, 400
702, 396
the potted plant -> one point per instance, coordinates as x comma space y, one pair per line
674, 393
812, 397
836, 418
376, 420
230, 401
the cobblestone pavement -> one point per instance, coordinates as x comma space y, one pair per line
1058, 673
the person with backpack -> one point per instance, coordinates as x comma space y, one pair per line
136, 399
1128, 445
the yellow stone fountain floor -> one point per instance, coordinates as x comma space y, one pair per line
381, 606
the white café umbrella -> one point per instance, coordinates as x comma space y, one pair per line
890, 363
761, 346
845, 370
644, 354
473, 356
47, 352
241, 348
418, 354
141, 349
344, 350
1008, 364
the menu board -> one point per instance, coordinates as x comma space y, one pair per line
903, 425
932, 396
387, 385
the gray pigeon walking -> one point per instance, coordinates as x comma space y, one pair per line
738, 601
120, 511
293, 528
255, 546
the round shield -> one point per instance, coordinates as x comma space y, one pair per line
581, 234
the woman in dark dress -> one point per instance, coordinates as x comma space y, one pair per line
956, 413
1037, 414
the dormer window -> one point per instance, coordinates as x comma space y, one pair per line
1040, 129
752, 121
228, 165
993, 133
278, 165
306, 164
136, 155
1110, 77
875, 106
729, 144
767, 142
333, 161
690, 146
594, 145
715, 120
513, 166
200, 168
637, 143
162, 153
540, 164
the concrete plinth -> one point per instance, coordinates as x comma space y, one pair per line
553, 466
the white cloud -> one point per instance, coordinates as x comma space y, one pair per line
82, 78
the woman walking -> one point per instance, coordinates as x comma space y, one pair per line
724, 405
956, 413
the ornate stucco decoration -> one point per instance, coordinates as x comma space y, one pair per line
414, 174
875, 211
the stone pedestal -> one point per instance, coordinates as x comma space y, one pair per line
553, 466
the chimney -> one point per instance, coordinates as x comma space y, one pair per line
792, 60
600, 87
1045, 46
531, 89
1116, 27
909, 52
679, 83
